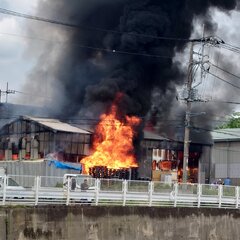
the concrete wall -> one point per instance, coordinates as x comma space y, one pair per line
118, 223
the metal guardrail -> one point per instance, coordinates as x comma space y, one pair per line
118, 192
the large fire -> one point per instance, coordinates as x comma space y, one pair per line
113, 142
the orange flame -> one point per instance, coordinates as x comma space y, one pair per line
113, 142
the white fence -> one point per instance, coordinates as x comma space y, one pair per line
116, 192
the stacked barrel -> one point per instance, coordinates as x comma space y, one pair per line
104, 172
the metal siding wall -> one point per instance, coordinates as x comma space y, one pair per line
234, 152
34, 169
220, 170
234, 170
204, 162
226, 159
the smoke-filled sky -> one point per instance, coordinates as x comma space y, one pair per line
70, 69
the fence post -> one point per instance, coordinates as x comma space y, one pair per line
237, 195
125, 183
4, 189
37, 184
175, 194
68, 191
151, 184
199, 193
220, 190
97, 190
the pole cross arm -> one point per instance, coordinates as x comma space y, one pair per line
211, 40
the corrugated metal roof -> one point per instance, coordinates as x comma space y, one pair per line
228, 134
57, 125
153, 136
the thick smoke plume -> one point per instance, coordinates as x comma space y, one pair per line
85, 77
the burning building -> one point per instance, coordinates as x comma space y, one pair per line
162, 159
113, 152
126, 46
110, 152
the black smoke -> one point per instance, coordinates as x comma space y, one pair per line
89, 70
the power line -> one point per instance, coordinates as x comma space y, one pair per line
228, 102
217, 131
47, 119
232, 46
223, 80
113, 51
71, 25
18, 14
235, 50
227, 46
92, 120
234, 75
214, 81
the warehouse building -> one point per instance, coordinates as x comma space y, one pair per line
33, 138
226, 155
162, 158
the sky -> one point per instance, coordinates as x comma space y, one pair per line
16, 63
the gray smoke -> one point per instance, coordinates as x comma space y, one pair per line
85, 78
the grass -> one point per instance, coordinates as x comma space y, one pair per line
229, 192
59, 185
162, 187
111, 186
138, 186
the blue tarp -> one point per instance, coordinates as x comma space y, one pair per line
63, 165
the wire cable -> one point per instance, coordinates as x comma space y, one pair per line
234, 75
217, 131
112, 51
230, 49
228, 102
72, 25
223, 80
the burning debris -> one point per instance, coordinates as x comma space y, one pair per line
104, 172
113, 141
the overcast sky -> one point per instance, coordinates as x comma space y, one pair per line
15, 64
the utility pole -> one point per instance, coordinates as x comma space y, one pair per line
190, 95
7, 92
187, 116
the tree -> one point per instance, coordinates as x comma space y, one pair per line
233, 122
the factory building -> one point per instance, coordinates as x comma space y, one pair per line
34, 138
162, 160
225, 155
159, 158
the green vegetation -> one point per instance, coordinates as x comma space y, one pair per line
138, 186
229, 191
111, 185
213, 191
210, 190
187, 189
59, 185
233, 122
162, 187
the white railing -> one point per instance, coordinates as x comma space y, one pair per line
50, 190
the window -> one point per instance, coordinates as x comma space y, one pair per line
11, 182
